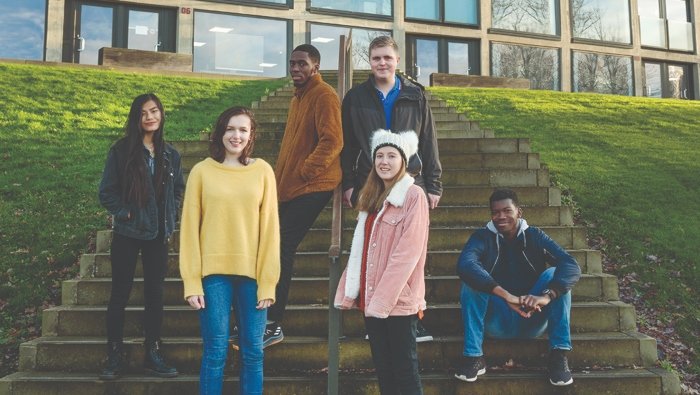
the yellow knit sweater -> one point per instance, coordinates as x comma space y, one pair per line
230, 225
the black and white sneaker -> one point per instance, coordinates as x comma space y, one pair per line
273, 334
558, 368
422, 334
471, 368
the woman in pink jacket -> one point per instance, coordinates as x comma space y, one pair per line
385, 273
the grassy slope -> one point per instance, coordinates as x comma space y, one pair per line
56, 125
632, 165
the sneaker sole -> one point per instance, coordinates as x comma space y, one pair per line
562, 383
470, 379
424, 339
272, 342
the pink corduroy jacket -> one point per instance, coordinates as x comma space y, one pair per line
395, 278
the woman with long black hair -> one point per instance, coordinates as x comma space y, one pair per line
141, 187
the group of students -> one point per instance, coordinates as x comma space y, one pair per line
242, 222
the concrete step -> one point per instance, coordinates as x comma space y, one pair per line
85, 354
446, 147
312, 320
446, 238
649, 381
282, 102
496, 177
315, 264
268, 150
529, 196
314, 290
467, 216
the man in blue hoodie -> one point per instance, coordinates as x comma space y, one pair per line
516, 284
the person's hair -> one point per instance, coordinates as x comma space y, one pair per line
217, 151
135, 175
383, 41
503, 194
313, 53
374, 193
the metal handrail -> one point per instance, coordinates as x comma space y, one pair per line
334, 252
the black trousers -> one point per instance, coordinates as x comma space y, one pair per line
393, 344
296, 218
154, 257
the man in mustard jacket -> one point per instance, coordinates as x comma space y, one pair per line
307, 168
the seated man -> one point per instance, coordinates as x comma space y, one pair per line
508, 291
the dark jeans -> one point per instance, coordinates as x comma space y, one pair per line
393, 344
296, 218
154, 257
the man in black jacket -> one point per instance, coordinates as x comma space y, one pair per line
508, 291
388, 101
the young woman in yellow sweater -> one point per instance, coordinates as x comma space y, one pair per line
229, 249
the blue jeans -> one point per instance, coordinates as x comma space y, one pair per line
221, 292
482, 311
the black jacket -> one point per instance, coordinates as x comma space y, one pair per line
363, 114
143, 223
481, 254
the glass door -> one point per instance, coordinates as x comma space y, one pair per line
94, 31
652, 80
667, 80
424, 60
678, 81
143, 31
427, 55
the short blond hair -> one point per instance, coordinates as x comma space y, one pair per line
383, 41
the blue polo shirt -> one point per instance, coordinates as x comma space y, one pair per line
389, 100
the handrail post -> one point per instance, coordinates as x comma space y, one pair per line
334, 252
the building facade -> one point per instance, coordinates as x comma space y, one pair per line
628, 47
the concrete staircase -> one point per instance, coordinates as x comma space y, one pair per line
609, 355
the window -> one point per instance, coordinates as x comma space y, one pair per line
594, 72
539, 65
372, 7
451, 11
602, 20
22, 26
530, 16
666, 24
232, 44
326, 38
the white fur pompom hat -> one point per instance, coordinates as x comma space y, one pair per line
406, 142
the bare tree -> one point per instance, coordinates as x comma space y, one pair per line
360, 47
522, 15
539, 65
584, 18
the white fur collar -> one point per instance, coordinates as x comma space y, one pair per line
396, 197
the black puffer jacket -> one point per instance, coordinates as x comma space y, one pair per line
363, 114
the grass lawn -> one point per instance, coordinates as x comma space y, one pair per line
632, 165
57, 124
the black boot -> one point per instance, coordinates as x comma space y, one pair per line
115, 362
153, 362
